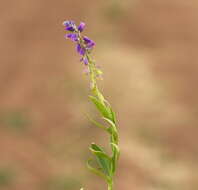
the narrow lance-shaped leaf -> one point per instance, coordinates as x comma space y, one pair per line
103, 159
113, 130
97, 124
104, 110
115, 157
96, 171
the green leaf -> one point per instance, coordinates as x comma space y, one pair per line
110, 122
115, 157
113, 130
116, 149
113, 115
98, 94
102, 158
97, 123
112, 112
96, 171
96, 147
104, 110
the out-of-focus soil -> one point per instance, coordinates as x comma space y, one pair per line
148, 52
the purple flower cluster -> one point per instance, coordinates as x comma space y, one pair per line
83, 44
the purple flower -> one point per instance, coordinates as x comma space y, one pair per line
69, 25
73, 37
81, 50
84, 60
81, 26
86, 39
88, 46
89, 43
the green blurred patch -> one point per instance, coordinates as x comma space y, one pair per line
114, 10
164, 185
6, 177
15, 120
62, 183
148, 136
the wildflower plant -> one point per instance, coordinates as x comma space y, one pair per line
106, 164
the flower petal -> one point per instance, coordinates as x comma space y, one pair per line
86, 40
81, 26
68, 23
80, 49
70, 28
73, 37
85, 60
90, 45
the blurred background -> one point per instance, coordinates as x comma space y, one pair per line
148, 53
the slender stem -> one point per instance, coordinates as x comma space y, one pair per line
110, 185
96, 92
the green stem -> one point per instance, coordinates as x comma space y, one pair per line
110, 185
96, 93
93, 78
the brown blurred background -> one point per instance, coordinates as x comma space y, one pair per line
148, 53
